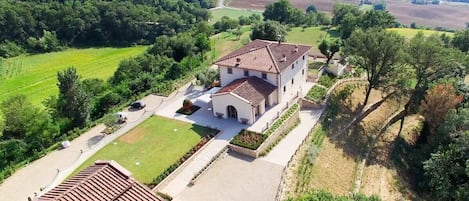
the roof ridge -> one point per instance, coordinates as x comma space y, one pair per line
273, 59
78, 183
241, 53
242, 83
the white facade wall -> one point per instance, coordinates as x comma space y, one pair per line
298, 74
243, 108
226, 78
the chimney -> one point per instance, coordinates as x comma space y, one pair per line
284, 58
296, 48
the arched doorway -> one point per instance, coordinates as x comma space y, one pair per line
231, 111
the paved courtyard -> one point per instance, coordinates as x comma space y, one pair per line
235, 178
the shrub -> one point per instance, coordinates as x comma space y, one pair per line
186, 105
327, 80
248, 139
10, 49
313, 153
316, 94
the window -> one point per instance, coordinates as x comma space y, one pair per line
303, 57
264, 76
292, 66
246, 72
292, 81
303, 72
230, 71
284, 88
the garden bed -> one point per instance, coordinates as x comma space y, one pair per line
316, 94
248, 139
188, 111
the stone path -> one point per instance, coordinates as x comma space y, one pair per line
287, 147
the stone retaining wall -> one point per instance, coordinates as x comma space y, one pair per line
287, 124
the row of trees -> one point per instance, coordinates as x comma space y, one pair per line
48, 25
282, 11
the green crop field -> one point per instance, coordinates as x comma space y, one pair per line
151, 147
217, 14
409, 33
36, 75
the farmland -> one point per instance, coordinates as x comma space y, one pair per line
444, 15
409, 33
36, 75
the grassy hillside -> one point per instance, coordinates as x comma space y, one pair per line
217, 14
409, 33
310, 36
36, 75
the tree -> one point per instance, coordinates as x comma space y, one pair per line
269, 30
461, 40
329, 48
282, 11
447, 173
207, 77
73, 102
376, 19
426, 56
379, 6
311, 9
437, 103
378, 52
341, 10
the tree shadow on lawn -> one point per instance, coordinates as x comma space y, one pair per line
203, 131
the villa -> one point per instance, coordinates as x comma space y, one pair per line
259, 76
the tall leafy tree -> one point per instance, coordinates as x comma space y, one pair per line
73, 102
376, 19
378, 52
283, 12
329, 47
269, 30
461, 40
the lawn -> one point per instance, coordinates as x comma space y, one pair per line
309, 36
151, 147
409, 33
36, 75
226, 42
217, 14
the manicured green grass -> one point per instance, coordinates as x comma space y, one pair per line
155, 144
36, 75
409, 33
309, 36
217, 14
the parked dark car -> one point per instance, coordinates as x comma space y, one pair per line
138, 105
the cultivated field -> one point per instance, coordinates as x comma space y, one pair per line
449, 16
151, 147
36, 75
409, 33
218, 13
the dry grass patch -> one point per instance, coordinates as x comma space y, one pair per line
134, 136
334, 170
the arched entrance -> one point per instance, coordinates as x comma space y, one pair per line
231, 111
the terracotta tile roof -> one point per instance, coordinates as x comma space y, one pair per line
251, 88
105, 180
265, 56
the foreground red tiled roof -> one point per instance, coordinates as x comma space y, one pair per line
265, 56
105, 180
253, 89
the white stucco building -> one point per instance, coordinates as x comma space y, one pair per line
258, 76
